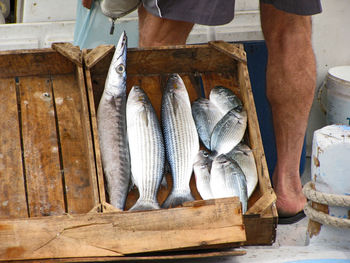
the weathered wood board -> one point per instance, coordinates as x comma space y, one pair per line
47, 159
196, 225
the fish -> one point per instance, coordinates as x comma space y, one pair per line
227, 180
111, 125
201, 168
206, 115
180, 137
244, 157
224, 99
229, 131
146, 148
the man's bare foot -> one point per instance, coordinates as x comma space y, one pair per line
290, 198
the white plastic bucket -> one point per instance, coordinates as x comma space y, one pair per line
337, 83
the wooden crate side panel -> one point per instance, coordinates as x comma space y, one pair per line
41, 152
117, 234
254, 130
78, 178
172, 59
33, 63
12, 186
95, 139
260, 230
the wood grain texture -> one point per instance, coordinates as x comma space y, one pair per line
193, 255
254, 130
19, 63
80, 181
117, 234
171, 59
69, 51
95, 140
41, 150
12, 186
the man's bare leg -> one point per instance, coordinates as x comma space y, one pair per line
291, 81
155, 31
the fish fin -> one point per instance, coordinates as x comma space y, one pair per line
177, 198
142, 204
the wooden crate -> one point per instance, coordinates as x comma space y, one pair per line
202, 67
53, 204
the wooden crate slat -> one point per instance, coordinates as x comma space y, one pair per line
18, 63
12, 186
171, 59
95, 140
41, 151
75, 160
122, 233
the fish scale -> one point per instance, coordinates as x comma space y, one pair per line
146, 148
181, 139
229, 131
111, 124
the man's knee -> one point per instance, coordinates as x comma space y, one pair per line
284, 31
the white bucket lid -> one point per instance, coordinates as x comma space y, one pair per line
341, 72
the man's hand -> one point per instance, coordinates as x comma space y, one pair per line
87, 3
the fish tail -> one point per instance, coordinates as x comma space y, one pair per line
177, 198
142, 204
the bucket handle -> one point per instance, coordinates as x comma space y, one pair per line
319, 96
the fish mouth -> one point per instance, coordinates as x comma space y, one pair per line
122, 44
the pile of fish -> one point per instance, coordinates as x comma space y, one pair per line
135, 146
228, 167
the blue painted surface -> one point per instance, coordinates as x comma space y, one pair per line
321, 261
257, 60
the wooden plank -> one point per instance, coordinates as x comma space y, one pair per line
171, 59
41, 152
33, 62
231, 50
260, 230
12, 190
192, 255
95, 139
117, 234
255, 140
97, 54
79, 179
69, 51
262, 203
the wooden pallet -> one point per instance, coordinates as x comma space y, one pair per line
53, 204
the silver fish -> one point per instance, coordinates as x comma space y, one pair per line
146, 148
227, 180
201, 168
181, 139
206, 115
244, 157
111, 124
224, 99
229, 131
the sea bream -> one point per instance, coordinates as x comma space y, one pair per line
244, 157
201, 168
227, 180
224, 99
229, 131
180, 137
111, 124
206, 115
146, 147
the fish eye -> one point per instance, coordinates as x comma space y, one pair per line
120, 68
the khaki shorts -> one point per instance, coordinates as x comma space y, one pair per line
219, 12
